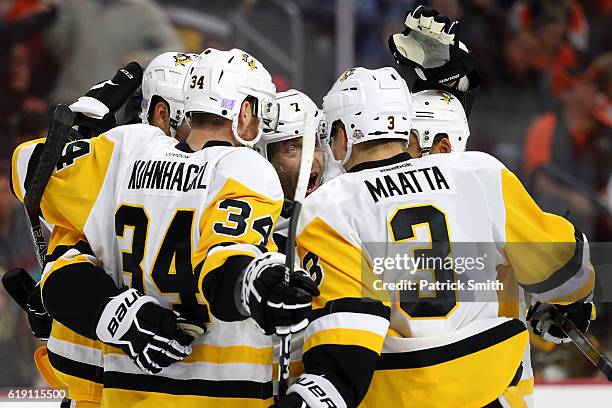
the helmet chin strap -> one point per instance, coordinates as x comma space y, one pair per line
247, 143
349, 151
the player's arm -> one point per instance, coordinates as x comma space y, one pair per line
550, 259
77, 292
240, 274
75, 183
348, 324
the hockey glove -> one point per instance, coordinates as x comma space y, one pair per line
276, 308
150, 334
539, 315
312, 391
429, 45
39, 319
95, 112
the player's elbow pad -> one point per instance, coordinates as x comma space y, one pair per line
75, 295
317, 392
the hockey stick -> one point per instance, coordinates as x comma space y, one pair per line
308, 146
582, 342
59, 135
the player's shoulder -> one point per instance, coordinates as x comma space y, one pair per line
137, 133
339, 197
331, 192
248, 168
244, 160
470, 161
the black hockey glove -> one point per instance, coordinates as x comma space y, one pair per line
154, 337
539, 315
292, 400
26, 292
312, 391
95, 112
276, 308
430, 45
40, 321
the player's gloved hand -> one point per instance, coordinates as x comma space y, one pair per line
292, 400
312, 391
150, 334
539, 315
95, 111
39, 319
429, 45
277, 308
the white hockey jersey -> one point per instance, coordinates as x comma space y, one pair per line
175, 224
435, 343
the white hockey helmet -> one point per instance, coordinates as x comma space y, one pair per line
164, 77
221, 80
435, 112
372, 103
293, 106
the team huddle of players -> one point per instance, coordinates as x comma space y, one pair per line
165, 273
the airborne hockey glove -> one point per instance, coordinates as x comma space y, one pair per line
539, 315
154, 337
275, 307
429, 45
95, 111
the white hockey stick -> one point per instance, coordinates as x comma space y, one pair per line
308, 147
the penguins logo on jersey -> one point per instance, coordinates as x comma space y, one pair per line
249, 60
182, 59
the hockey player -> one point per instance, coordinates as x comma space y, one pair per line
283, 146
439, 124
414, 347
69, 360
162, 93
235, 212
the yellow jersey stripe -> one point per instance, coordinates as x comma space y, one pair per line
345, 337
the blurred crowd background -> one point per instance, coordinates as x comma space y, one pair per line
544, 107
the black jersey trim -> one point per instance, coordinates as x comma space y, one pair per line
76, 368
461, 348
398, 158
207, 388
352, 305
563, 274
81, 246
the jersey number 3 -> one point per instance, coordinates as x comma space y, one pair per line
442, 303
